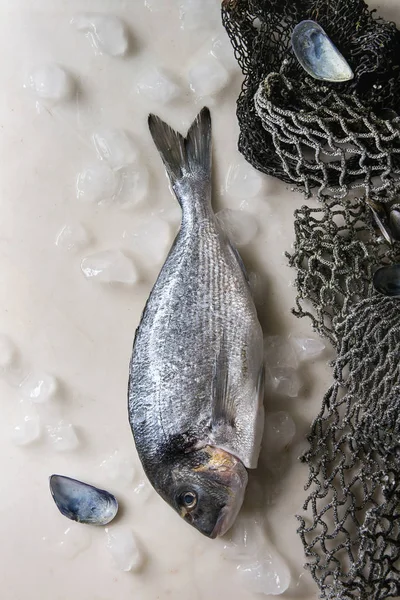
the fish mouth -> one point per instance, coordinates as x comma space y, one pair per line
228, 514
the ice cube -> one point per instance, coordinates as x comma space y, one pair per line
72, 237
284, 381
199, 14
156, 86
207, 77
8, 353
106, 33
222, 50
123, 548
279, 431
154, 5
268, 574
150, 241
172, 214
51, 83
38, 387
307, 348
257, 286
118, 469
143, 491
75, 540
240, 226
109, 266
279, 352
97, 183
133, 185
243, 181
63, 437
27, 431
245, 539
115, 146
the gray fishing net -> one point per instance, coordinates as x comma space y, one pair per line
351, 531
328, 141
260, 32
340, 143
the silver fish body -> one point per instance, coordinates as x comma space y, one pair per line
196, 385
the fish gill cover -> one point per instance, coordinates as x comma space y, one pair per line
339, 142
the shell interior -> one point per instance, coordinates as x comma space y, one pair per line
318, 55
82, 502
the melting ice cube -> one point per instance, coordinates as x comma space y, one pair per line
107, 33
307, 348
75, 540
118, 469
285, 381
38, 387
72, 237
267, 575
142, 491
8, 353
223, 51
279, 352
199, 14
243, 181
208, 77
96, 183
279, 431
245, 539
150, 241
63, 437
154, 5
133, 185
156, 86
123, 548
172, 214
50, 82
115, 146
109, 266
28, 431
240, 226
260, 568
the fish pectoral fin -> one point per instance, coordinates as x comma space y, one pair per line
223, 408
261, 386
240, 261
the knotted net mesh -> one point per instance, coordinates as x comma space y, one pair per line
339, 142
351, 530
260, 31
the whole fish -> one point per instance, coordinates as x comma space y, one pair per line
196, 375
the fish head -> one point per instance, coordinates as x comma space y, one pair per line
206, 488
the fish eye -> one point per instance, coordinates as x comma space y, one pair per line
189, 499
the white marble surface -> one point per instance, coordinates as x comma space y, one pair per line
80, 331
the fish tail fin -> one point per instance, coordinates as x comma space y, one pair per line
186, 159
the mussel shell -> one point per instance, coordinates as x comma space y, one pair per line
381, 220
394, 223
318, 55
82, 502
387, 281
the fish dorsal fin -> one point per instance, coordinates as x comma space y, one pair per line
223, 408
